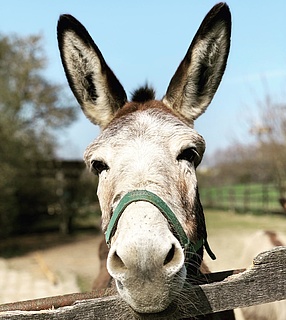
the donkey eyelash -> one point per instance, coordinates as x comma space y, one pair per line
189, 154
97, 166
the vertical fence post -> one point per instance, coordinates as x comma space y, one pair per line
265, 197
246, 196
232, 198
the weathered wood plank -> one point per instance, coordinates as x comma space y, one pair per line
264, 282
54, 302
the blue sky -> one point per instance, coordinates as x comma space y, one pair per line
145, 41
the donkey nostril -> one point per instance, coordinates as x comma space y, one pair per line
119, 285
117, 262
170, 255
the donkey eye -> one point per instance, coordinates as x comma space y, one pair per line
189, 154
98, 166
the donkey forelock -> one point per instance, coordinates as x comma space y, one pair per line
143, 94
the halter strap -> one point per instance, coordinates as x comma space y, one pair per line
144, 195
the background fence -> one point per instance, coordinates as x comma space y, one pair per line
256, 198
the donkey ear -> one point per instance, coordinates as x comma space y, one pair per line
95, 86
197, 78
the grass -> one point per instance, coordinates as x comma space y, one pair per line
230, 234
83, 283
242, 197
218, 220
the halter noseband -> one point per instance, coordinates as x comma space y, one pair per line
144, 195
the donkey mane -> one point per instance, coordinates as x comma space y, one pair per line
143, 94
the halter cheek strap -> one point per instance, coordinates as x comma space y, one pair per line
144, 195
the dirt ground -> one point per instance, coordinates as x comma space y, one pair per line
78, 257
49, 265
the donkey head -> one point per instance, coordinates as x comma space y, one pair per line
146, 157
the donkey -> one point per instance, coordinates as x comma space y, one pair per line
145, 157
260, 241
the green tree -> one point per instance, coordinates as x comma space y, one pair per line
31, 110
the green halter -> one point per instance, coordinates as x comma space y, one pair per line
144, 195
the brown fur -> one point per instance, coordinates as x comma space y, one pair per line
283, 203
273, 238
103, 280
263, 241
131, 107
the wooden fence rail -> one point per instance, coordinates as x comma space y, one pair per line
264, 281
